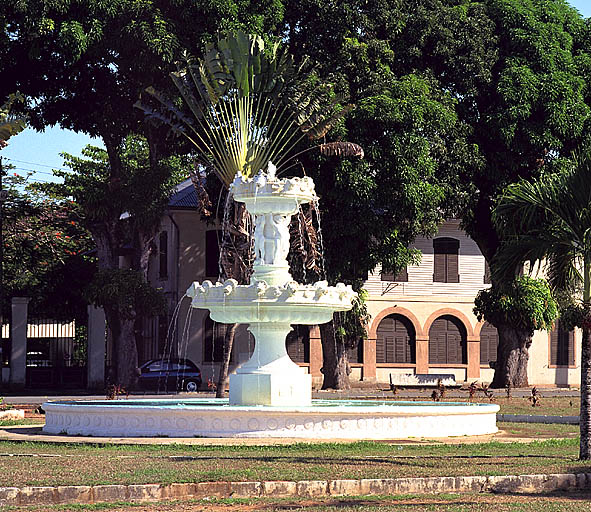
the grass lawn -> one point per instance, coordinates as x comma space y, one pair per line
549, 406
72, 464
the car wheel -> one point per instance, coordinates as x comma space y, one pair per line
191, 386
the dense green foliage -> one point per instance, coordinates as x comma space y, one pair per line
45, 245
127, 290
525, 303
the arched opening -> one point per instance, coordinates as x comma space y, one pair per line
396, 341
489, 341
447, 341
297, 344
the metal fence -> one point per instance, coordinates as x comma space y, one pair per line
56, 353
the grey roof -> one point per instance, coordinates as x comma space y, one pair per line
184, 197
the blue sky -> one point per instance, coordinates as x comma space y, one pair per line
40, 151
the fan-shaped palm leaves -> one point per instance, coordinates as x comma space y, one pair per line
550, 221
244, 104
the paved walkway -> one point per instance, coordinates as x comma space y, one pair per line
34, 433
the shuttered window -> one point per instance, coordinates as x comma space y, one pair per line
355, 354
447, 341
446, 255
213, 343
396, 341
212, 253
562, 346
489, 341
297, 344
401, 277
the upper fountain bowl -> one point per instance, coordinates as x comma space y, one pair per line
265, 193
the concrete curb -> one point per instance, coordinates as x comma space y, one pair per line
530, 418
81, 494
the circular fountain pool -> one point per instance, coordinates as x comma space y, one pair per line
338, 419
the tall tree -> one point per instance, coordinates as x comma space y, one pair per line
43, 241
415, 145
549, 221
84, 65
142, 195
517, 70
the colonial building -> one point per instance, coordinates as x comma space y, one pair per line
421, 319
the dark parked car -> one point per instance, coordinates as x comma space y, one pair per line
170, 375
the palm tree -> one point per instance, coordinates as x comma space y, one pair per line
549, 221
245, 104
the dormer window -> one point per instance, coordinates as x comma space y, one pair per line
446, 255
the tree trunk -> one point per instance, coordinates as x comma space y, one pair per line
225, 367
335, 361
585, 414
127, 366
512, 358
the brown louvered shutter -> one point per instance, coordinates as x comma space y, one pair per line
439, 268
437, 342
297, 344
447, 342
446, 260
571, 348
354, 354
554, 345
489, 341
562, 346
402, 276
453, 275
395, 341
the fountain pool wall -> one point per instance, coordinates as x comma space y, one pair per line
325, 419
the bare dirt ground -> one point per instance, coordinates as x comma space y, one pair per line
563, 502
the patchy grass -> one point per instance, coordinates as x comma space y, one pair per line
538, 430
72, 464
27, 421
549, 406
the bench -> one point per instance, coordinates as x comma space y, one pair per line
423, 380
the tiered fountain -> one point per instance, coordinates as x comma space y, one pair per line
270, 396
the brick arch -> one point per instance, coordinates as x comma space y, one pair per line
394, 310
452, 312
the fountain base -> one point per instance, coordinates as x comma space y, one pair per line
271, 389
325, 419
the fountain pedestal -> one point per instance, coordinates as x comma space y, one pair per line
273, 301
270, 377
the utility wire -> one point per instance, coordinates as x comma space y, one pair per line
35, 163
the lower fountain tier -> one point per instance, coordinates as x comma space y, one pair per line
268, 312
293, 303
325, 419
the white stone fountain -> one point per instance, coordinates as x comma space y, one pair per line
273, 301
270, 396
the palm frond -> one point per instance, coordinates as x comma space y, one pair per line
342, 149
247, 105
